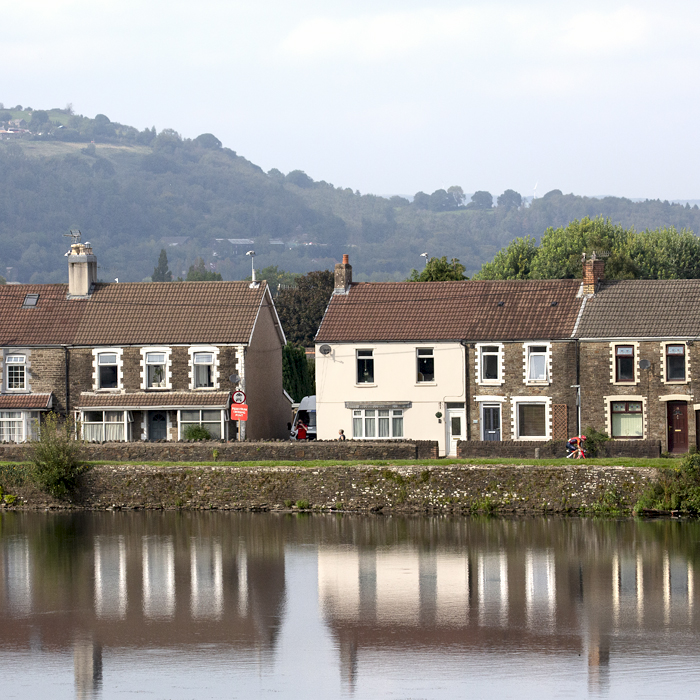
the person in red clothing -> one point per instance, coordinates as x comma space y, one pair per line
301, 431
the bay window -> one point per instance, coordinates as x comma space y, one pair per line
11, 426
208, 419
104, 426
377, 423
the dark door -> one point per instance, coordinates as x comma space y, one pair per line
157, 426
677, 426
492, 422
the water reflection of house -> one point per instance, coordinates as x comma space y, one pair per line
149, 585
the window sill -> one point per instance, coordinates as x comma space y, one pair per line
16, 391
158, 388
624, 383
365, 386
533, 383
676, 382
543, 438
425, 384
204, 388
491, 382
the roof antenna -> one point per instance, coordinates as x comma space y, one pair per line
74, 235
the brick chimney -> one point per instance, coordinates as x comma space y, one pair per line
593, 273
82, 271
343, 276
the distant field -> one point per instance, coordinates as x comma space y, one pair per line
48, 149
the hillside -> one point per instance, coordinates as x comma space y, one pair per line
133, 192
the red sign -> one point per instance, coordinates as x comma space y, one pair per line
239, 411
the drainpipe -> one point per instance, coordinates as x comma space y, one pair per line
66, 362
467, 403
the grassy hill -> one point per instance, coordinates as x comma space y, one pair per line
132, 192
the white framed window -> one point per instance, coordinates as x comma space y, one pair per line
104, 426
489, 363
538, 363
425, 365
377, 423
16, 372
211, 420
204, 367
156, 372
675, 368
107, 368
18, 426
532, 418
624, 363
365, 366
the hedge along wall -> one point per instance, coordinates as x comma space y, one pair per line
281, 451
554, 449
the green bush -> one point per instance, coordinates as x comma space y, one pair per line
303, 504
197, 432
594, 441
676, 489
56, 456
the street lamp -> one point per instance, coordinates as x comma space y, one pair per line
253, 284
425, 255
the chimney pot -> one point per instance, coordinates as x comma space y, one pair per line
346, 259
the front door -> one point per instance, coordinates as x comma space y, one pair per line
491, 422
157, 425
456, 420
677, 412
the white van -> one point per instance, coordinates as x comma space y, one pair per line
306, 413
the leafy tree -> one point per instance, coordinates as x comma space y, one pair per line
297, 372
208, 141
199, 273
300, 179
481, 200
161, 273
276, 278
421, 200
510, 199
457, 194
301, 308
514, 262
2, 280
552, 193
5, 116
439, 270
39, 119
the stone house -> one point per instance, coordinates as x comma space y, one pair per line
638, 352
448, 361
140, 361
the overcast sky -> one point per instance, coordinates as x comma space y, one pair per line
387, 96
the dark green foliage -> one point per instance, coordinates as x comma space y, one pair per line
594, 441
481, 200
439, 270
660, 254
301, 308
56, 456
510, 199
197, 432
208, 141
5, 116
297, 372
677, 489
199, 273
161, 272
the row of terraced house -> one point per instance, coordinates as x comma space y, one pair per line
523, 361
487, 361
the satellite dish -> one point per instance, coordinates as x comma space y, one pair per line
644, 364
325, 349
234, 379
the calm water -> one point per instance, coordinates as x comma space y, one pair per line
255, 605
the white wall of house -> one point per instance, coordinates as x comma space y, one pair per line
395, 380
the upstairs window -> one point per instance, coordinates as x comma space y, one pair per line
537, 363
16, 372
203, 370
624, 363
675, 363
365, 367
426, 365
107, 367
156, 366
490, 364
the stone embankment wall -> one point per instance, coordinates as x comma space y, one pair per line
554, 449
454, 489
248, 451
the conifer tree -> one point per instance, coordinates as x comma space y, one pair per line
161, 273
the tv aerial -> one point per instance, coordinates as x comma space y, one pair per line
74, 235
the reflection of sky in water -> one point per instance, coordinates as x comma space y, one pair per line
239, 606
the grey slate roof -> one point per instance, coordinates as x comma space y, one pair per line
643, 309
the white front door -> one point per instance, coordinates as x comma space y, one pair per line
456, 426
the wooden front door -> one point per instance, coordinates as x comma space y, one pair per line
677, 412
